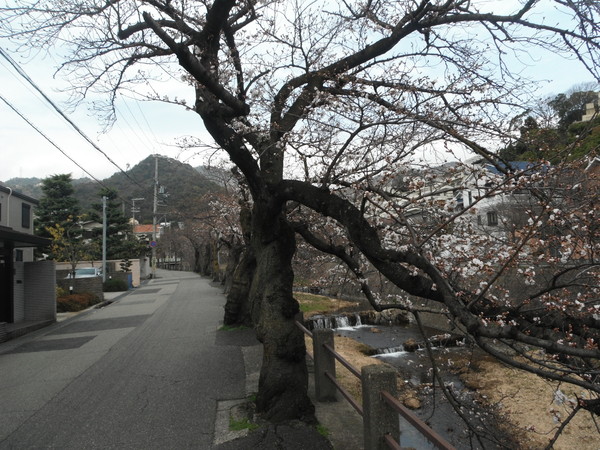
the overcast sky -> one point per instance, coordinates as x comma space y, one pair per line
142, 128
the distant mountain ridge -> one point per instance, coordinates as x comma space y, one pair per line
179, 184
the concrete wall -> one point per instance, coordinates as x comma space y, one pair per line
40, 291
19, 291
139, 269
122, 276
34, 291
145, 269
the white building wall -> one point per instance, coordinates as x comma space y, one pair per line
11, 216
12, 212
4, 209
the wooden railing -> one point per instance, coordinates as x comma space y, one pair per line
380, 408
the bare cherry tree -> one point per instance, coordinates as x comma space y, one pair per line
324, 104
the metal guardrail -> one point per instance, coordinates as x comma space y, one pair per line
432, 436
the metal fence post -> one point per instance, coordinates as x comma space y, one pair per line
378, 418
325, 390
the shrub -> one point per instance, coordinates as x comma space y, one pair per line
114, 285
76, 302
61, 292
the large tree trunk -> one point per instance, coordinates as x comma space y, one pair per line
241, 262
283, 382
197, 260
237, 307
202, 258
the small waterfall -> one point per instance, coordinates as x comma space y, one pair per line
388, 350
321, 322
358, 322
341, 322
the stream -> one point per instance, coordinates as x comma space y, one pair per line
435, 409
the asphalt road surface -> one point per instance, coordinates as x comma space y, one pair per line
145, 372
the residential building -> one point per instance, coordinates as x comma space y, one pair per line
494, 205
27, 287
144, 232
591, 110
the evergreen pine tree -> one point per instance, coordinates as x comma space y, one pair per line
57, 206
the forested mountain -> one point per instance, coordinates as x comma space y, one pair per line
179, 186
33, 186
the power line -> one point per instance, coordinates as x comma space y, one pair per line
138, 128
137, 103
50, 140
22, 72
26, 86
22, 116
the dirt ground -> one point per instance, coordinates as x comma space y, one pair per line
532, 407
525, 401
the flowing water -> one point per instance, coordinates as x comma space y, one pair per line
334, 322
415, 368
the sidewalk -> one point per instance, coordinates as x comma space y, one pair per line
341, 424
12, 331
109, 297
142, 372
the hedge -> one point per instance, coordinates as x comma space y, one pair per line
76, 302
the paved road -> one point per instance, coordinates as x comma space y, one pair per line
145, 372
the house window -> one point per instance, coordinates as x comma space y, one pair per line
479, 221
25, 215
459, 201
492, 218
18, 255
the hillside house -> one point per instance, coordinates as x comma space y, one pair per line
27, 292
144, 232
494, 207
591, 110
452, 188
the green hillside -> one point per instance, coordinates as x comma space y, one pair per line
180, 186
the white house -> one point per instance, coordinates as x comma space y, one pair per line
591, 110
27, 287
493, 205
447, 189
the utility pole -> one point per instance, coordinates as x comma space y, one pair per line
155, 206
104, 225
134, 210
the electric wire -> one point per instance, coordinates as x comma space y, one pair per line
32, 125
137, 128
25, 86
143, 116
22, 73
